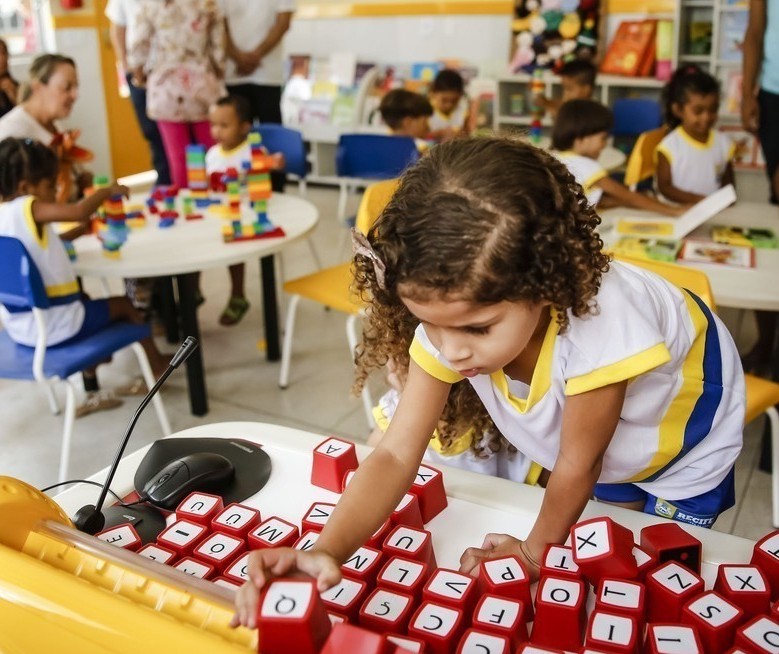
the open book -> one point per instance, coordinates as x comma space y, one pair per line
677, 228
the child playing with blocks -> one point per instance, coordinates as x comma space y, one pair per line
577, 79
450, 106
622, 386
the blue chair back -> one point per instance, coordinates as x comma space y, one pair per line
277, 138
634, 116
21, 285
374, 156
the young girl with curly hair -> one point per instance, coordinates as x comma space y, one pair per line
619, 384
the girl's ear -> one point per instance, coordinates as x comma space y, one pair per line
677, 109
24, 188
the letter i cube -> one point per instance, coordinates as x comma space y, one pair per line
157, 553
501, 616
408, 513
273, 532
405, 644
333, 458
403, 576
238, 570
292, 618
181, 537
746, 587
237, 520
428, 486
560, 613
123, 536
481, 642
603, 548
451, 588
200, 508
672, 639
671, 542
668, 589
613, 633
348, 638
219, 550
765, 555
507, 577
438, 625
622, 597
195, 568
364, 564
759, 636
386, 611
715, 620
410, 543
346, 597
316, 516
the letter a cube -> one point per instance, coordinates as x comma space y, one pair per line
386, 611
746, 587
346, 597
613, 633
765, 555
333, 458
403, 576
410, 543
501, 616
475, 641
507, 577
428, 486
123, 536
349, 638
560, 613
622, 597
760, 635
292, 618
671, 542
715, 620
452, 589
237, 520
438, 625
672, 639
603, 548
200, 508
668, 589
273, 532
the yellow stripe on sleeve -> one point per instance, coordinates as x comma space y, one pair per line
663, 149
594, 179
534, 473
431, 365
628, 368
41, 238
59, 290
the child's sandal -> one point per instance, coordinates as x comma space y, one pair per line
234, 311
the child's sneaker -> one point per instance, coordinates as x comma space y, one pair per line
234, 311
98, 401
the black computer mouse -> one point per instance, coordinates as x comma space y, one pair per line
201, 471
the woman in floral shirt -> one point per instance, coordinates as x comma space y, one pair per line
179, 54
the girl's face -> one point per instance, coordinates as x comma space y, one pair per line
477, 339
591, 146
60, 93
445, 101
698, 114
45, 190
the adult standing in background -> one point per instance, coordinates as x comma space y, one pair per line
123, 15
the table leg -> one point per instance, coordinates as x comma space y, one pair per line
270, 308
168, 309
198, 400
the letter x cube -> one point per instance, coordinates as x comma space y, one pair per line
746, 587
603, 548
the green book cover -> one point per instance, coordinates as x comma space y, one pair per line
745, 236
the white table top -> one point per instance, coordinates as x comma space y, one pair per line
193, 245
478, 504
747, 288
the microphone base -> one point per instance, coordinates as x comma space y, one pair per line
89, 520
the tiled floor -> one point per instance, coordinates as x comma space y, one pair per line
243, 386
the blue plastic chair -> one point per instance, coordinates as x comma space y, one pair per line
21, 287
633, 116
277, 138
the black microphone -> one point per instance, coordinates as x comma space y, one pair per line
90, 518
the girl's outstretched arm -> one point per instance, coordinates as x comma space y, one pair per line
623, 196
52, 212
372, 495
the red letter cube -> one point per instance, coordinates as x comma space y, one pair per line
237, 520
439, 626
349, 638
403, 576
333, 458
195, 568
317, 516
219, 550
306, 541
603, 548
364, 564
622, 597
273, 532
346, 597
428, 486
181, 537
668, 588
227, 583
157, 553
501, 616
558, 562
644, 561
560, 613
452, 589
405, 643
480, 642
507, 577
409, 543
671, 542
746, 587
613, 633
672, 639
759, 635
408, 513
765, 555
123, 536
238, 570
385, 611
292, 618
715, 620
200, 508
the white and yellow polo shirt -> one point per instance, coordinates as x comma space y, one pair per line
587, 172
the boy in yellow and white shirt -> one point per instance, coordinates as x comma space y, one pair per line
450, 106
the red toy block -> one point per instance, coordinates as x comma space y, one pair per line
644, 561
668, 589
408, 513
364, 564
195, 568
672, 639
736, 650
746, 587
386, 611
123, 536
181, 537
273, 532
403, 576
622, 597
292, 618
560, 613
507, 577
333, 458
775, 610
428, 486
452, 589
219, 550
765, 555
336, 618
603, 548
613, 633
348, 638
199, 507
439, 626
347, 478
306, 540
669, 541
406, 643
237, 520
530, 648
501, 616
558, 561
377, 539
715, 620
759, 636
410, 543
157, 553
316, 516
238, 569
224, 582
346, 597
481, 642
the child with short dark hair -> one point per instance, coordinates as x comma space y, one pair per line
450, 106
694, 160
577, 78
407, 114
580, 133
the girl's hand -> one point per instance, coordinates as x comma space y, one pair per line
265, 564
120, 189
496, 546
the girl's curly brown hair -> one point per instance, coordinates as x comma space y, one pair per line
485, 220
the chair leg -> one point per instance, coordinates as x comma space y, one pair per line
343, 194
773, 417
302, 187
365, 394
51, 397
286, 347
67, 430
148, 377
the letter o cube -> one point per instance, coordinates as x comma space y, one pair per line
759, 635
560, 613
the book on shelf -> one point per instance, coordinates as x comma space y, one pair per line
632, 50
756, 237
701, 251
733, 27
674, 229
699, 34
651, 249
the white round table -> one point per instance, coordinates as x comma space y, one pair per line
191, 246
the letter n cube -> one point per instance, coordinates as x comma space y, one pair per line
560, 613
292, 618
603, 548
364, 564
333, 458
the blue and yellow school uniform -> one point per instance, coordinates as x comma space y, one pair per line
680, 429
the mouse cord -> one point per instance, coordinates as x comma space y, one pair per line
93, 483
